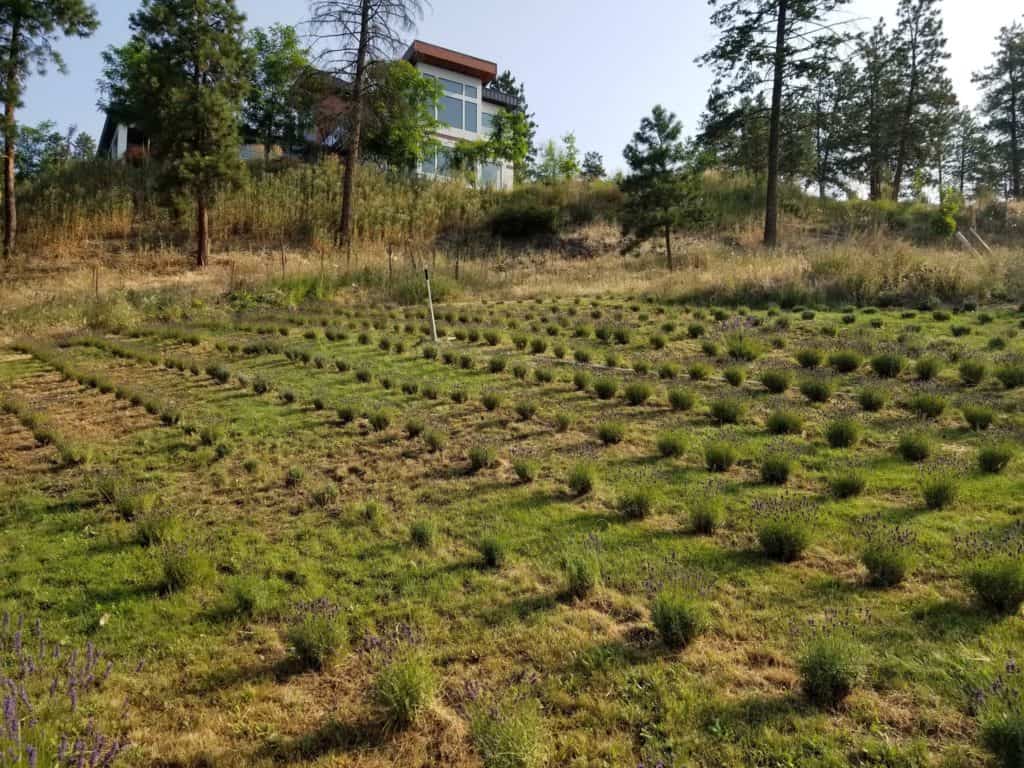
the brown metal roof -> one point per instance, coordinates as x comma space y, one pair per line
446, 58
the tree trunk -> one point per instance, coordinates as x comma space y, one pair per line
352, 161
1015, 169
771, 213
202, 232
908, 116
10, 138
668, 248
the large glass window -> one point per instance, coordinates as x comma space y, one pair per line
449, 111
487, 122
450, 86
471, 116
490, 173
470, 91
428, 166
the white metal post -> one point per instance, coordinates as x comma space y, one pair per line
430, 302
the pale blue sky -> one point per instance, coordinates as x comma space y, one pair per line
591, 66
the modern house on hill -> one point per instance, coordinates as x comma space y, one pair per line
467, 108
466, 112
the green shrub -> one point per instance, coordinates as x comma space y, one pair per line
995, 457
842, 433
482, 457
668, 371
847, 484
435, 440
695, 330
325, 495
671, 444
719, 456
611, 432
679, 618
776, 380
775, 470
705, 515
829, 670
582, 574
1002, 733
809, 358
183, 567
638, 392
888, 365
509, 736
544, 375
380, 420
414, 428
972, 372
727, 410
581, 380
734, 375
699, 372
872, 399
317, 635
681, 399
525, 469
563, 421
997, 582
938, 491
492, 552
423, 533
526, 409
927, 405
743, 347
636, 504
606, 387
845, 361
521, 219
1011, 375
887, 563
403, 690
582, 479
458, 395
914, 446
978, 417
784, 539
927, 368
816, 390
158, 526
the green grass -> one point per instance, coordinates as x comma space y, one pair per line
239, 561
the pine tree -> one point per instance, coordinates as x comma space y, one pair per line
353, 34
29, 29
771, 40
831, 110
662, 193
1002, 86
593, 166
877, 105
918, 61
194, 78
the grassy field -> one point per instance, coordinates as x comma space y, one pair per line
597, 531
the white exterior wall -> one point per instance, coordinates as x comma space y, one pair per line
120, 143
449, 136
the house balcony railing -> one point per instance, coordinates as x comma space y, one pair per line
502, 99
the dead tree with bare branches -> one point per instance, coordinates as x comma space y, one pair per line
348, 35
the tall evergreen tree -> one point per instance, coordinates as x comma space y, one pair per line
968, 155
831, 111
877, 104
1002, 86
29, 30
351, 34
771, 40
193, 75
593, 167
918, 61
662, 193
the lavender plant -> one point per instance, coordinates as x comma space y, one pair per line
47, 692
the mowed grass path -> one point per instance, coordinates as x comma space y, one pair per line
310, 490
